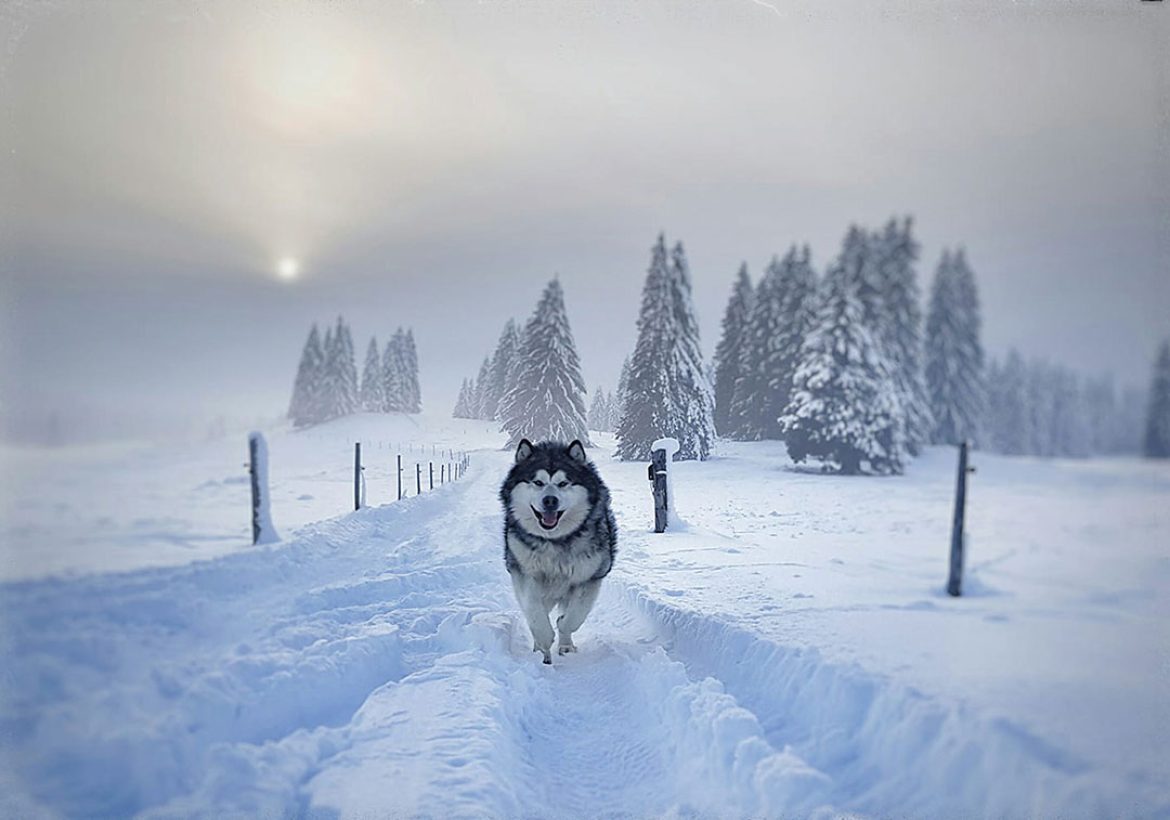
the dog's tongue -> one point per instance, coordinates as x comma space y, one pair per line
549, 519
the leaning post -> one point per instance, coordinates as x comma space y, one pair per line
262, 530
399, 476
357, 475
955, 579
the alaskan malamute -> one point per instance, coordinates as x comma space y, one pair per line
559, 538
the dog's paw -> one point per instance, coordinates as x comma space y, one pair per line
566, 648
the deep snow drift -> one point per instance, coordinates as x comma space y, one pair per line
790, 653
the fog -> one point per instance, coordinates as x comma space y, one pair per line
434, 164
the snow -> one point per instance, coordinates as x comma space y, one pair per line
792, 653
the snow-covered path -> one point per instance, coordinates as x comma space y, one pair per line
375, 665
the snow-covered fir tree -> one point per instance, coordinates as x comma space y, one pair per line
667, 391
413, 396
843, 410
502, 360
339, 373
394, 373
372, 395
1157, 437
954, 353
549, 401
694, 380
617, 405
730, 348
900, 329
780, 319
1009, 417
305, 406
463, 403
753, 408
480, 397
598, 417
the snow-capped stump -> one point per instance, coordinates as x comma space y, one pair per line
263, 532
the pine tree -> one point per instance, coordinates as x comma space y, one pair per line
617, 403
394, 378
798, 311
305, 407
348, 398
648, 395
730, 349
954, 354
502, 361
338, 374
697, 437
900, 331
372, 395
599, 412
463, 403
843, 410
413, 395
753, 407
480, 397
1157, 438
1010, 420
549, 403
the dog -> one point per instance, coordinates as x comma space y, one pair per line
560, 538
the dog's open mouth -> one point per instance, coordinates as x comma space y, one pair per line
548, 520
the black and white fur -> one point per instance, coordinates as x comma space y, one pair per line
559, 538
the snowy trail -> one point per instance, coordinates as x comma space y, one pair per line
375, 664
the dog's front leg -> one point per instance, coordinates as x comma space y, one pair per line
576, 606
536, 611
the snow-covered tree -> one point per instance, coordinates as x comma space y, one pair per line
599, 412
1157, 438
843, 409
413, 395
305, 407
617, 404
698, 394
667, 392
463, 403
900, 328
394, 374
339, 373
549, 402
372, 395
502, 359
730, 349
954, 353
480, 398
781, 318
1009, 417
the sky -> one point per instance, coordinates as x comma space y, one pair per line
434, 164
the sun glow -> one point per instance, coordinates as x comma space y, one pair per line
288, 269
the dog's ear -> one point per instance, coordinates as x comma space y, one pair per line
577, 451
524, 450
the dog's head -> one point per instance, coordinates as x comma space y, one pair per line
550, 488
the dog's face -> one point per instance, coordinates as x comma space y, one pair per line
545, 497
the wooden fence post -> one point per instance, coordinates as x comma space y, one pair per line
955, 579
431, 467
357, 475
400, 476
657, 474
262, 530
442, 474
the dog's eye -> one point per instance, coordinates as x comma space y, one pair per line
562, 484
538, 483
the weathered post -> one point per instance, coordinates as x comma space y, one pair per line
431, 468
399, 476
955, 580
442, 474
262, 530
657, 474
357, 475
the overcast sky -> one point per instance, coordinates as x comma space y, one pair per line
433, 164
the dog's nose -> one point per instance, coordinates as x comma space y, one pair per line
549, 502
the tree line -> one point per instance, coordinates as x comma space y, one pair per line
327, 386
